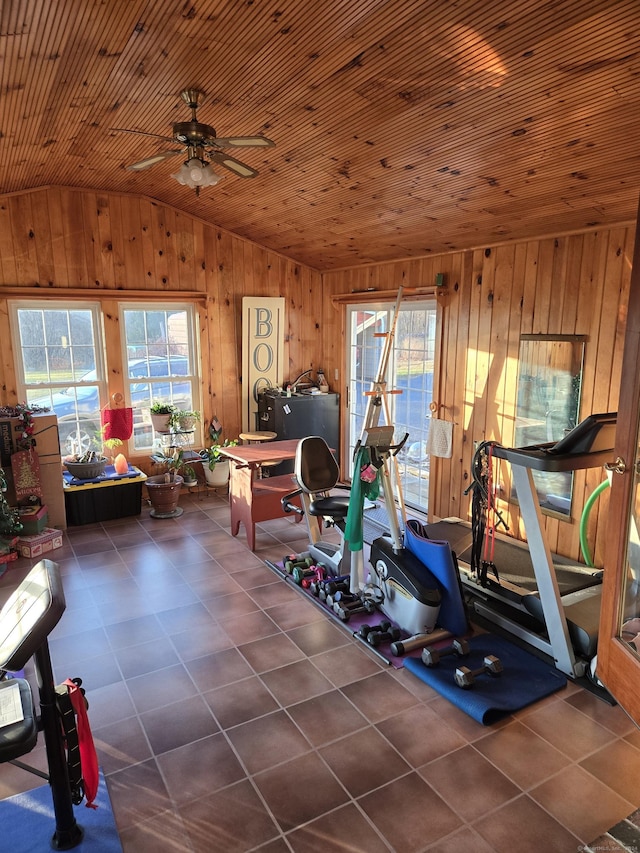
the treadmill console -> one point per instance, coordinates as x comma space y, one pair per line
588, 445
596, 432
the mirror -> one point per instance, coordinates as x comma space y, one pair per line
548, 407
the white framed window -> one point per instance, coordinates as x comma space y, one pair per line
159, 347
60, 365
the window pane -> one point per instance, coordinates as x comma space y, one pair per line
159, 345
409, 370
59, 370
62, 365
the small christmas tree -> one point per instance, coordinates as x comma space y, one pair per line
10, 525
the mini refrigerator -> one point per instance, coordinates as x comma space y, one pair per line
297, 417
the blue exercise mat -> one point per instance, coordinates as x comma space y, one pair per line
525, 679
28, 822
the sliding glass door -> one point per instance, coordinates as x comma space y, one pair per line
410, 370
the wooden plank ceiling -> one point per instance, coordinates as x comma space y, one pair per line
402, 127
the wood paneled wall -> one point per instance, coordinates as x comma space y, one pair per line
569, 285
63, 238
57, 239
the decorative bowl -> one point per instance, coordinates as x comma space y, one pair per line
86, 470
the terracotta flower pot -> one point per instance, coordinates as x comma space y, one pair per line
164, 496
161, 423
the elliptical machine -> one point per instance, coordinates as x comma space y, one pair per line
316, 472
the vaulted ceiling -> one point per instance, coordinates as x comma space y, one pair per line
402, 127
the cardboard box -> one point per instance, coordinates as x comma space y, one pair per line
41, 543
53, 493
33, 519
45, 433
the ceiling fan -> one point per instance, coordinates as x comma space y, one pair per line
201, 148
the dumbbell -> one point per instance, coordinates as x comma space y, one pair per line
465, 677
419, 641
345, 610
431, 657
317, 587
344, 595
375, 638
365, 630
298, 563
300, 573
318, 575
337, 585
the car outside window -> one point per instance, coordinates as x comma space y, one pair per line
159, 342
60, 364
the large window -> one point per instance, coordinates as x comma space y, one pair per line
61, 364
159, 348
410, 370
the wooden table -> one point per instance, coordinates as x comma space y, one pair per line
252, 498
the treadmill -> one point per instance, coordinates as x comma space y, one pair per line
549, 602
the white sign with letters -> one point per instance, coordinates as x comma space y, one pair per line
263, 332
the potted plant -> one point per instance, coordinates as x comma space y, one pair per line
164, 489
189, 475
161, 415
214, 464
184, 420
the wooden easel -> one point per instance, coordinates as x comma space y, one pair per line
380, 437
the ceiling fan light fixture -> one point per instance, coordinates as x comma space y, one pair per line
195, 173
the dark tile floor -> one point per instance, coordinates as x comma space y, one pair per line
230, 714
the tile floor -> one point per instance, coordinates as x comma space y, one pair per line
230, 714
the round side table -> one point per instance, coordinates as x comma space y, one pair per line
257, 438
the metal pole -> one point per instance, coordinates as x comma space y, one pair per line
68, 833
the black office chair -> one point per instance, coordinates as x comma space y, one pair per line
316, 472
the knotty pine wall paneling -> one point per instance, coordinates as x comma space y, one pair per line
575, 284
59, 238
56, 239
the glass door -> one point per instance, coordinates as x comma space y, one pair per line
410, 370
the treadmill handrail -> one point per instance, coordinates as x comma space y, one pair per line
539, 458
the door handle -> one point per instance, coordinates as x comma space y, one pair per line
618, 467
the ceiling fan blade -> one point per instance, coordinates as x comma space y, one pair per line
240, 142
148, 162
142, 133
232, 164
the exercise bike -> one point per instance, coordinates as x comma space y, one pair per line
316, 473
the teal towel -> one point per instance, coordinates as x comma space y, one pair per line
360, 489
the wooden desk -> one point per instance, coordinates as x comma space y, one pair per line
251, 498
